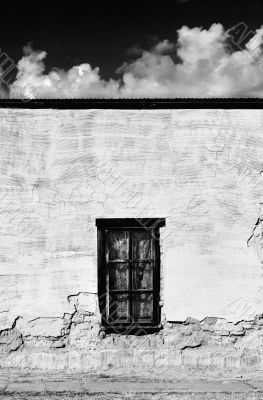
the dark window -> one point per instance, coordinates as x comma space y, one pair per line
129, 272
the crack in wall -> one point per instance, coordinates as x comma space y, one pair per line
69, 297
256, 238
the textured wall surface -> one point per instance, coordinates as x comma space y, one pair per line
62, 169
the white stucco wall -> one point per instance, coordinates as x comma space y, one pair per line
62, 169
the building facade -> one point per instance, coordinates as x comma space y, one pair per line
131, 236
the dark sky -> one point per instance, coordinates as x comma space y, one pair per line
100, 32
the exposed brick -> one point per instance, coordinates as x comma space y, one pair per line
186, 330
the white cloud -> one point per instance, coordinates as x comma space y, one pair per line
79, 81
199, 64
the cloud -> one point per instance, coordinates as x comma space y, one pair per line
201, 63
79, 81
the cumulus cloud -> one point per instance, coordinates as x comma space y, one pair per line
201, 63
79, 81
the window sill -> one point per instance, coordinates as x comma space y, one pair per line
136, 330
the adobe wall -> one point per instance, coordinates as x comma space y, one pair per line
199, 169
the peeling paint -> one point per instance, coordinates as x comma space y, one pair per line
80, 332
10, 339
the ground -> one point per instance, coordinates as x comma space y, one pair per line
184, 385
138, 396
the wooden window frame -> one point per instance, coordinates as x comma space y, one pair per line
128, 224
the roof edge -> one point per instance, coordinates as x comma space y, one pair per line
190, 103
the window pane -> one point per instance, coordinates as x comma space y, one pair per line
143, 306
118, 245
118, 276
141, 245
142, 275
119, 307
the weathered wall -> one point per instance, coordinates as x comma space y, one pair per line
60, 170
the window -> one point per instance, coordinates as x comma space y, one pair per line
129, 272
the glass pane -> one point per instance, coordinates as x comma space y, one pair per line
141, 245
143, 306
142, 275
118, 245
118, 276
119, 307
